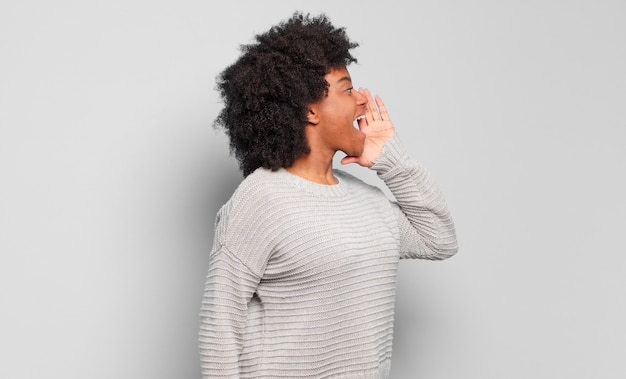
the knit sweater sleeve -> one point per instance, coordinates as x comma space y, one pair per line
228, 289
426, 227
235, 265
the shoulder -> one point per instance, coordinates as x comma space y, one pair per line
247, 221
261, 186
255, 197
250, 223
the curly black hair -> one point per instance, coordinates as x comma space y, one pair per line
267, 90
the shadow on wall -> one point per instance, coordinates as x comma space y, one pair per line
219, 178
213, 179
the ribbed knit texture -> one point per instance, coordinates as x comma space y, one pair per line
302, 276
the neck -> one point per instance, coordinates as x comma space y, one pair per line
314, 168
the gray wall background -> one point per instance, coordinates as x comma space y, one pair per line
111, 175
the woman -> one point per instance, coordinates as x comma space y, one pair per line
302, 273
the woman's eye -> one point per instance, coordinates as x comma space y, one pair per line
349, 90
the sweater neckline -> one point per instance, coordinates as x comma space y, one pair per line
322, 190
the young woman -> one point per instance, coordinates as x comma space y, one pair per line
302, 274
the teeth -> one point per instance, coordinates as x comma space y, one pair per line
360, 117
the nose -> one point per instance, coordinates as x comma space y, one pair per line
361, 99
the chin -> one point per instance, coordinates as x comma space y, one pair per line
356, 152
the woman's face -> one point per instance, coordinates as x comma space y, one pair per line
337, 113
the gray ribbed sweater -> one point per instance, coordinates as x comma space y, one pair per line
302, 276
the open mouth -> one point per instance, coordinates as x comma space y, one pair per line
356, 121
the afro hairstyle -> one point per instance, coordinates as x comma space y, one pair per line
267, 90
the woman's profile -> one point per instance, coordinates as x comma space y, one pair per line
302, 274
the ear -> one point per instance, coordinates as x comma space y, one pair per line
312, 114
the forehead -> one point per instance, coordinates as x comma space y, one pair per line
338, 76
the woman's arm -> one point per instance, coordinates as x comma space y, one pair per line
228, 289
426, 226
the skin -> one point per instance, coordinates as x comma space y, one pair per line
331, 129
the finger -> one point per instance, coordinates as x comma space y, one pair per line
382, 109
349, 159
372, 111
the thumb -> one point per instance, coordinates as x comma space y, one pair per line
349, 159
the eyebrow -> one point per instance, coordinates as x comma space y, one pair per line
345, 78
